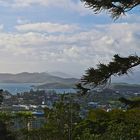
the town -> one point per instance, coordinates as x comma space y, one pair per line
37, 100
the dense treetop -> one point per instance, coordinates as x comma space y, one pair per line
115, 7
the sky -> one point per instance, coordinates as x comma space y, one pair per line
62, 35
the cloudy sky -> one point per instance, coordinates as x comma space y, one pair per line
62, 35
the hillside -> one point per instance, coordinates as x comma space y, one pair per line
26, 77
125, 87
56, 86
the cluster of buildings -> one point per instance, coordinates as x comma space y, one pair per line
36, 101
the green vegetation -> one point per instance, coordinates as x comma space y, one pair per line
131, 103
62, 119
114, 125
1, 97
5, 127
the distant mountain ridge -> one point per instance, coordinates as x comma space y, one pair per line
131, 78
26, 77
63, 75
45, 78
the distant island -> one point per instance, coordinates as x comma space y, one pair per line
55, 86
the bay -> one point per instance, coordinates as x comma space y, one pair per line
14, 88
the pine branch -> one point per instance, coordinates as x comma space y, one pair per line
102, 74
115, 7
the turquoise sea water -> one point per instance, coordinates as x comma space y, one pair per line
14, 88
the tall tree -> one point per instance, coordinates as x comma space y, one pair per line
62, 119
101, 75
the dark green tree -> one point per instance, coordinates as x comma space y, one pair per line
113, 125
5, 131
114, 7
1, 96
62, 119
130, 103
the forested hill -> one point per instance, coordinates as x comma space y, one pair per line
26, 77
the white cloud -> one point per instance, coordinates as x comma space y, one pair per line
25, 3
57, 3
46, 27
69, 5
68, 52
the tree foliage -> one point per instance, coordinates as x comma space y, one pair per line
61, 119
114, 125
115, 7
103, 73
1, 96
5, 132
130, 103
